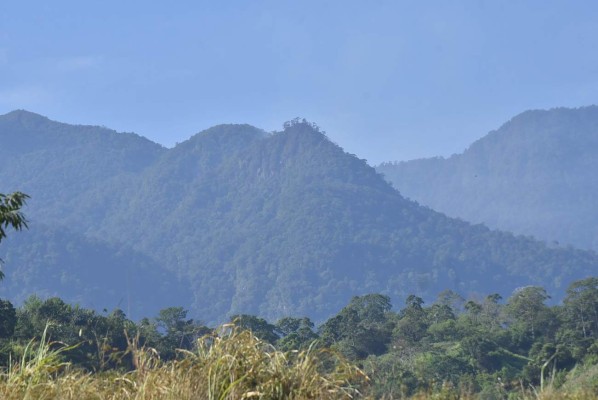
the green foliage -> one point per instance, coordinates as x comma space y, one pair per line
10, 212
257, 326
414, 322
524, 348
527, 309
11, 215
8, 319
581, 306
362, 328
488, 351
178, 331
295, 333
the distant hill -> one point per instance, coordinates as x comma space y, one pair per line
273, 224
536, 175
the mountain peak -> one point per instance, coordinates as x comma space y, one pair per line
541, 134
550, 119
223, 136
234, 129
304, 133
23, 116
302, 125
23, 113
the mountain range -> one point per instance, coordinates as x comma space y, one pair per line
536, 175
238, 220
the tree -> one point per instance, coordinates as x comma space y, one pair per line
361, 328
451, 299
413, 321
526, 307
8, 319
491, 311
296, 333
581, 306
258, 326
11, 215
10, 212
179, 332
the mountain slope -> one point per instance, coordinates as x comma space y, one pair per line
536, 175
289, 224
54, 262
60, 164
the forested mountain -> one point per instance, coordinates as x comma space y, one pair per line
536, 175
273, 224
59, 164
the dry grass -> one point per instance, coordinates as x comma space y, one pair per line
230, 365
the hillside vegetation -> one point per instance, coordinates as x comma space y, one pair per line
536, 175
486, 348
273, 224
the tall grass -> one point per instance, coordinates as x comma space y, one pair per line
231, 364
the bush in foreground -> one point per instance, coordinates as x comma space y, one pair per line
230, 364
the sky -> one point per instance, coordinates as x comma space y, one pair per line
387, 80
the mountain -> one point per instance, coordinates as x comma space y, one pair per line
59, 164
276, 224
535, 175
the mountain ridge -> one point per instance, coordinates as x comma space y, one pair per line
285, 223
529, 177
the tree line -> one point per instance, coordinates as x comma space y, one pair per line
480, 344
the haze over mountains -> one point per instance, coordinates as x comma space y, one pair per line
237, 220
536, 175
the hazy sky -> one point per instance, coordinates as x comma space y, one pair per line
387, 80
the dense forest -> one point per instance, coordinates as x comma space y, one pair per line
535, 175
236, 220
483, 347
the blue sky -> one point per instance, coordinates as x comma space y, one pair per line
387, 80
